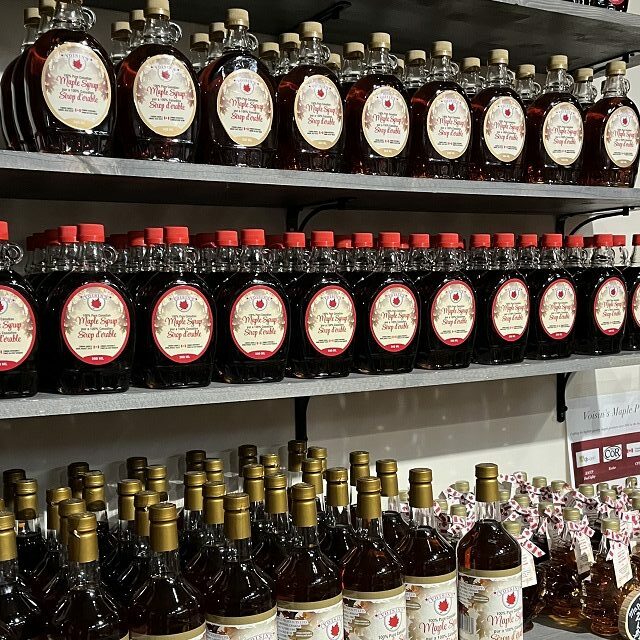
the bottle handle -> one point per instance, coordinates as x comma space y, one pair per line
253, 41
192, 255
537, 89
512, 77
14, 253
109, 254
571, 82
177, 31
455, 67
626, 84
326, 53
394, 60
593, 93
89, 18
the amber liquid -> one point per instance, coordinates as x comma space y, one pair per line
294, 152
204, 565
424, 160
488, 547
132, 578
191, 542
7, 120
57, 587
134, 139
631, 341
215, 146
45, 572
359, 156
338, 540
484, 165
20, 613
425, 553
32, 550
598, 168
394, 528
51, 135
540, 167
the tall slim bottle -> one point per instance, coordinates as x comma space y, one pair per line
339, 537
253, 486
393, 524
192, 534
30, 542
358, 468
312, 475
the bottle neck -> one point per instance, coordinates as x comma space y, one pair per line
338, 515
238, 37
165, 563
10, 254
558, 80
498, 75
31, 525
420, 259
585, 92
391, 503
371, 528
216, 48
134, 258
199, 58
528, 258
312, 51
380, 61
119, 50
30, 36
153, 258
305, 537
504, 258
45, 23
488, 511
621, 256
93, 256
442, 69
616, 85
69, 15
551, 257
84, 575
415, 74
239, 550
479, 258
422, 517
447, 259
192, 519
9, 572
159, 30
253, 259
214, 534
352, 69
178, 257
574, 257
527, 88
635, 256
279, 522
322, 260
136, 38
602, 257
471, 82
390, 260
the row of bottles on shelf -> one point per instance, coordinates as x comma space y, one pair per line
62, 95
317, 550
164, 314
614, 5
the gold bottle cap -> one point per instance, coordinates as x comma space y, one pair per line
558, 62
607, 493
387, 471
247, 454
142, 501
193, 481
275, 487
572, 514
237, 523
539, 482
557, 485
443, 504
214, 468
297, 452
616, 68
135, 463
199, 42
635, 502
31, 17
157, 480
359, 466
318, 453
47, 7
54, 498
353, 50
163, 527
271, 463
513, 527
458, 510
542, 505
335, 61
420, 489
415, 55
526, 71
487, 483
25, 504
504, 495
462, 486
583, 74
237, 18
379, 40
289, 40
217, 31
214, 493
337, 487
628, 491
194, 459
120, 30
254, 481
523, 500
8, 550
75, 473
498, 56
93, 478
157, 8
303, 505
369, 505
93, 491
601, 486
312, 474
470, 63
310, 30
83, 537
137, 19
631, 481
441, 48
610, 524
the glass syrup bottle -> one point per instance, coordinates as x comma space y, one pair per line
554, 129
429, 566
386, 340
269, 53
120, 39
253, 486
574, 254
352, 66
394, 527
583, 88
602, 302
217, 34
151, 263
308, 586
526, 86
449, 303
310, 114
199, 45
499, 127
175, 315
489, 569
440, 121
70, 86
372, 581
339, 536
295, 258
471, 81
20, 329
503, 307
253, 318
553, 304
31, 545
416, 71
323, 316
289, 52
358, 468
93, 493
238, 96
312, 474
64, 257
87, 610
631, 340
158, 98
192, 534
612, 133
167, 605
240, 593
377, 115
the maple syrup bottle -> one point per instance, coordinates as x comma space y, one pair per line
583, 89
30, 542
269, 54
192, 533
18, 611
352, 66
308, 586
499, 128
339, 536
489, 569
323, 316
238, 120
416, 73
612, 133
631, 340
448, 310
120, 39
574, 254
217, 34
526, 86
428, 565
602, 302
253, 486
358, 468
93, 493
387, 305
167, 605
199, 46
553, 304
253, 318
240, 593
555, 130
151, 263
158, 109
64, 257
503, 308
70, 86
394, 526
289, 44
310, 116
440, 121
471, 80
377, 115
372, 581
7, 114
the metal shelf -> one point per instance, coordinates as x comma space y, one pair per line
59, 177
217, 393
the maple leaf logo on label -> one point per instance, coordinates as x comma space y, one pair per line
392, 622
455, 296
613, 292
95, 303
560, 293
333, 631
451, 106
514, 294
396, 300
183, 304
507, 112
566, 117
247, 86
260, 303
387, 102
77, 64
332, 302
165, 73
509, 599
625, 121
320, 93
442, 606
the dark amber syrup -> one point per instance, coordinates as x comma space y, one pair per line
631, 341
7, 117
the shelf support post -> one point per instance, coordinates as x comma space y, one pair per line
561, 395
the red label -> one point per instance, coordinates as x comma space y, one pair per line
17, 329
510, 310
453, 313
610, 306
393, 319
330, 321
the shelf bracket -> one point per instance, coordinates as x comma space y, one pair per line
293, 221
301, 405
561, 395
593, 216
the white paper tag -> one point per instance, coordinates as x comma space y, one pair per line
622, 565
583, 553
528, 570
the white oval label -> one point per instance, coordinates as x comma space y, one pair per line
245, 107
449, 124
95, 324
17, 329
504, 128
510, 310
557, 310
393, 318
562, 133
330, 321
635, 305
258, 322
622, 136
318, 112
165, 95
76, 86
182, 324
385, 121
431, 606
610, 306
453, 313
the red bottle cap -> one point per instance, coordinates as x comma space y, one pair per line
135, 238
344, 242
206, 240
363, 240
503, 240
527, 240
620, 241
636, 239
574, 242
275, 241
31, 242
447, 240
588, 241
51, 237
4, 230
176, 235
89, 232
154, 235
68, 234
389, 240
295, 240
226, 238
552, 240
603, 240
322, 239
419, 240
480, 241
252, 237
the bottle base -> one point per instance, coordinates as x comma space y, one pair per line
500, 355
495, 173
380, 167
553, 175
610, 178
383, 365
440, 170
631, 343
600, 346
165, 150
548, 352
82, 382
18, 384
243, 373
174, 376
314, 369
443, 360
240, 157
70, 142
311, 161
